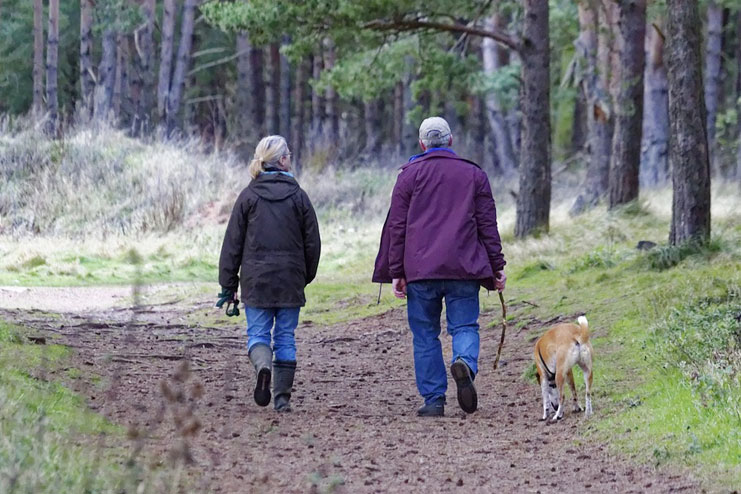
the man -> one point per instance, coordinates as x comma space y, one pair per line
440, 242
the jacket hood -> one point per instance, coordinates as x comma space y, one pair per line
274, 187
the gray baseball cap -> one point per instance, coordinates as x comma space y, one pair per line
434, 127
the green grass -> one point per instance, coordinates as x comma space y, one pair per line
47, 433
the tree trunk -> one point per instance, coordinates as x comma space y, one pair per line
713, 84
626, 140
38, 57
317, 102
166, 47
688, 149
120, 89
372, 127
579, 125
257, 89
534, 196
144, 44
737, 173
332, 126
655, 148
52, 60
245, 122
284, 103
506, 157
297, 123
87, 81
272, 90
181, 66
106, 76
398, 118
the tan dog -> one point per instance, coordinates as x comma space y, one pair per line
556, 352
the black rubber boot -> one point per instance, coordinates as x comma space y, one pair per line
434, 409
283, 385
261, 357
467, 397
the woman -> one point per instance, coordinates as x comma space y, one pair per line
273, 236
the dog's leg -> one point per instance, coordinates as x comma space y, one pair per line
544, 392
559, 386
572, 386
586, 368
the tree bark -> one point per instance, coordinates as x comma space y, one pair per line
120, 90
534, 196
398, 118
297, 123
257, 89
506, 157
245, 123
626, 140
688, 150
579, 125
713, 84
144, 44
181, 66
166, 48
272, 90
106, 77
284, 103
332, 126
38, 57
87, 81
317, 101
655, 148
372, 121
52, 60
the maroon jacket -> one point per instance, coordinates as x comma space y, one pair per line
442, 223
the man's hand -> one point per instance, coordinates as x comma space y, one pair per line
500, 279
225, 296
399, 286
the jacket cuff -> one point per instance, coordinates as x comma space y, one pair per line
397, 274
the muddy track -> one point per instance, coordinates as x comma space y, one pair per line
353, 428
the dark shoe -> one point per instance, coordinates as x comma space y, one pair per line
283, 385
467, 398
434, 409
261, 357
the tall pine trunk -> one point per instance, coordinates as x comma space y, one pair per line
655, 148
713, 83
284, 103
257, 88
506, 157
87, 80
372, 121
272, 90
626, 139
121, 101
144, 44
106, 76
688, 150
244, 125
332, 125
317, 101
397, 130
52, 60
38, 57
181, 66
534, 196
299, 112
166, 48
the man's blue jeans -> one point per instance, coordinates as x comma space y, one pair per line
424, 308
260, 322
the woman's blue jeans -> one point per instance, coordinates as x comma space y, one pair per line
424, 308
260, 323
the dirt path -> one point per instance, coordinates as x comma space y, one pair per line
353, 428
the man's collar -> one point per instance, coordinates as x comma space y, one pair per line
430, 150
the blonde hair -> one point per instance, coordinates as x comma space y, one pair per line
267, 153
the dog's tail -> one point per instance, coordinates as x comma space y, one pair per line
584, 329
